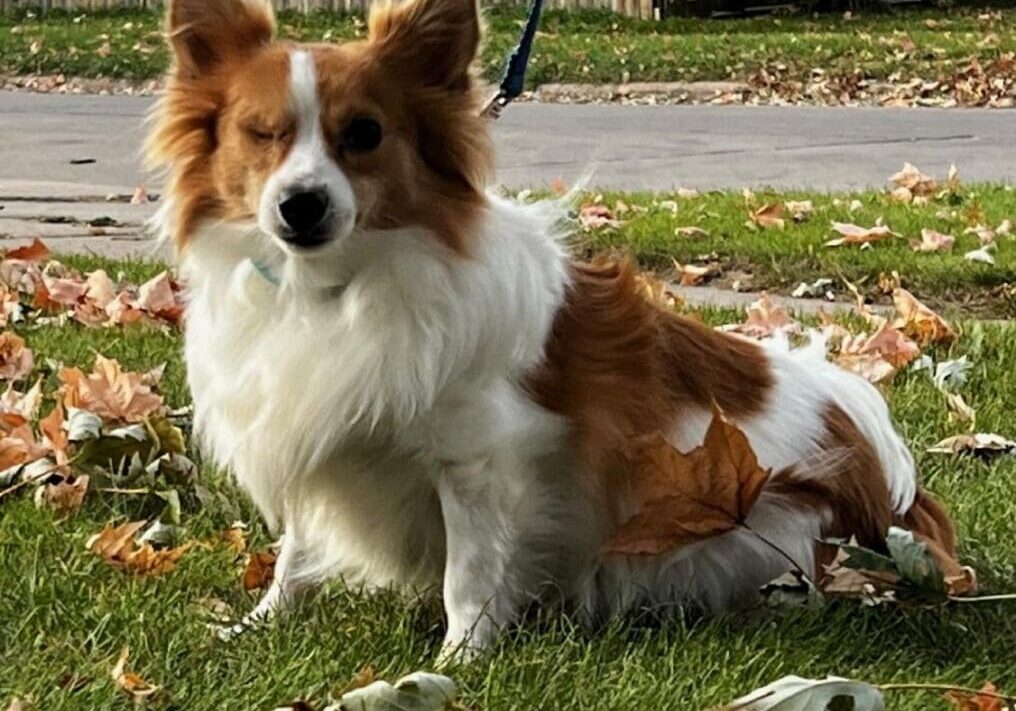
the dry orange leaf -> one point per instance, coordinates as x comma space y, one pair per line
37, 251
16, 360
769, 215
681, 498
765, 317
117, 546
988, 699
110, 392
918, 321
260, 570
138, 689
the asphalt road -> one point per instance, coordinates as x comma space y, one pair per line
640, 147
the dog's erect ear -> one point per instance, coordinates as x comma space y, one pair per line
203, 33
432, 42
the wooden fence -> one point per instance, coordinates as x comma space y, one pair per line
634, 8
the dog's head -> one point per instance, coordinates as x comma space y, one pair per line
313, 142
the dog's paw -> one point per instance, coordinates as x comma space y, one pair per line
228, 633
455, 652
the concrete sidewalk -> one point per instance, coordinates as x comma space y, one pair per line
61, 156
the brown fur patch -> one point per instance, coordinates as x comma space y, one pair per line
225, 123
856, 494
618, 366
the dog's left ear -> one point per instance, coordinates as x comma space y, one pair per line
433, 42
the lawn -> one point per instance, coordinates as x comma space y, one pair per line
586, 46
65, 615
653, 230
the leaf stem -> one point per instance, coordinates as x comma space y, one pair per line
947, 687
787, 556
984, 598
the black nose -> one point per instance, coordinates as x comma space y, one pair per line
305, 213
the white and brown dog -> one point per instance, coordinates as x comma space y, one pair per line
411, 377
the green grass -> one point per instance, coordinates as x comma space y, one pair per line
581, 46
779, 260
64, 613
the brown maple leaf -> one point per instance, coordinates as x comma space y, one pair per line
37, 251
117, 546
988, 699
769, 215
681, 498
260, 570
16, 360
918, 321
115, 395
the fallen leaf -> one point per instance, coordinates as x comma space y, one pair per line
793, 693
959, 410
158, 297
988, 700
800, 210
688, 193
918, 321
951, 374
260, 570
770, 215
63, 498
595, 217
932, 241
765, 318
116, 545
985, 235
914, 180
981, 445
818, 288
140, 196
416, 692
680, 498
16, 360
982, 255
37, 251
691, 274
691, 232
925, 564
853, 234
873, 587
115, 395
133, 685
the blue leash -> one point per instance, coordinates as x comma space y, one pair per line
514, 80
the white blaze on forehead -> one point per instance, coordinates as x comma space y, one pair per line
309, 164
309, 150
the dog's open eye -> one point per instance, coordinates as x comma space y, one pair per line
361, 135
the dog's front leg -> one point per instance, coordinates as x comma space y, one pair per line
285, 588
480, 594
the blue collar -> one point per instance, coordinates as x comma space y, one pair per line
265, 271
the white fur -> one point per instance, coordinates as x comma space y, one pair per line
371, 404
